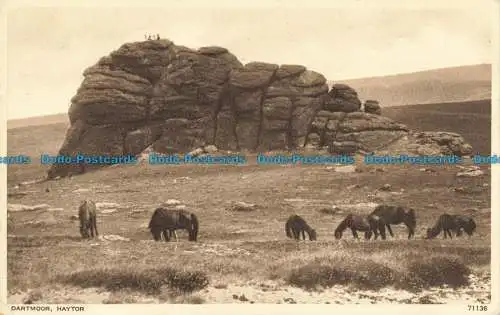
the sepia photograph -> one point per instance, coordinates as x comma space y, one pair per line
250, 154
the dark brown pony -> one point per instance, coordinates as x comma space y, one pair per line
370, 224
165, 221
295, 225
452, 222
397, 215
88, 219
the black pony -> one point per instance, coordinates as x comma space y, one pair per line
165, 221
452, 222
370, 224
397, 215
88, 219
295, 225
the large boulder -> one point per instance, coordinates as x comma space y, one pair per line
429, 143
449, 142
372, 107
174, 99
343, 98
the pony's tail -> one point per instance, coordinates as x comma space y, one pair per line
288, 229
153, 218
195, 225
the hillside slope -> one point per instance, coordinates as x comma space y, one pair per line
472, 120
38, 121
457, 84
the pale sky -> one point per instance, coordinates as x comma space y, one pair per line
48, 48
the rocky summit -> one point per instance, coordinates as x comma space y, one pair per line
173, 99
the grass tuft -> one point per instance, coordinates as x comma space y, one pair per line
440, 270
145, 280
374, 273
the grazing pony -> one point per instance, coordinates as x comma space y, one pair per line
165, 221
88, 219
368, 224
296, 225
397, 215
452, 222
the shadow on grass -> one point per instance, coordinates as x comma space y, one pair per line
145, 280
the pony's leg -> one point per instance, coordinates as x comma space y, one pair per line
88, 230
390, 230
449, 234
95, 227
410, 233
444, 234
303, 235
354, 234
382, 233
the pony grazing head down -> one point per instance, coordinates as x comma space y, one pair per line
470, 227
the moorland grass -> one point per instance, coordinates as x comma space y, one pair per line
407, 268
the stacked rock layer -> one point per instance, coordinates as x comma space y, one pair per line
176, 99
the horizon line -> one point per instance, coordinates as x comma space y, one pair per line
415, 72
327, 82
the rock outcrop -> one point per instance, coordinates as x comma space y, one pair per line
373, 107
173, 99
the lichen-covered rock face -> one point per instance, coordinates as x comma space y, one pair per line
173, 99
449, 142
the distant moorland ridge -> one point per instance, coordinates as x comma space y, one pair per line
446, 85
